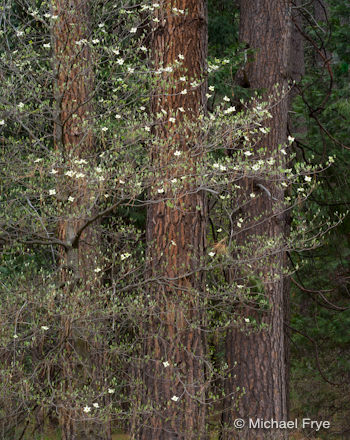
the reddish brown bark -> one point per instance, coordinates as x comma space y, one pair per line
74, 139
258, 360
176, 233
73, 135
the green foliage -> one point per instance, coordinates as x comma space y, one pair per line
42, 187
319, 315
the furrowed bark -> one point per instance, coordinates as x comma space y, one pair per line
74, 73
258, 359
173, 377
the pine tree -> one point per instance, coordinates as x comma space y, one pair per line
258, 359
74, 90
176, 224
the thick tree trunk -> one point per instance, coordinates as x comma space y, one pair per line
174, 376
74, 139
258, 359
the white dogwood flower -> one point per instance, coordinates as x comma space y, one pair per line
229, 110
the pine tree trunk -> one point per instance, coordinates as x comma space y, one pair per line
74, 79
258, 359
174, 376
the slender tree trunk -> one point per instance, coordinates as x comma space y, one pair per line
296, 73
174, 376
321, 16
258, 359
74, 139
320, 10
296, 58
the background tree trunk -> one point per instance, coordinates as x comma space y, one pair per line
174, 376
296, 74
321, 16
258, 359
